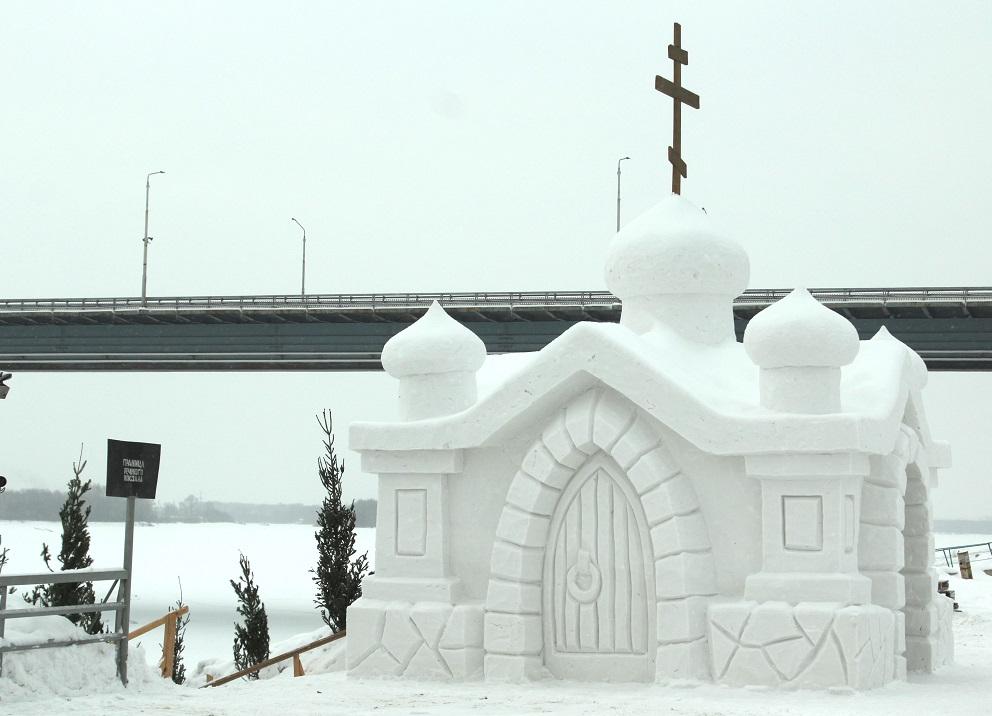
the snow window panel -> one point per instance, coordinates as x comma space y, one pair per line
802, 523
411, 523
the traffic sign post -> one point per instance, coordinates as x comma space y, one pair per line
132, 472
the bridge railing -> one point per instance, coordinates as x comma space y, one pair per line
750, 298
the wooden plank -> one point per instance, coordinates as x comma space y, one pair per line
572, 556
605, 553
71, 609
297, 666
680, 94
622, 558
678, 55
588, 623
638, 582
559, 590
677, 162
276, 659
157, 623
964, 564
169, 645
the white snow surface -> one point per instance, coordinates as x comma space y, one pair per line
65, 672
674, 248
81, 680
799, 331
436, 343
205, 558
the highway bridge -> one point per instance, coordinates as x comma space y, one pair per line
950, 327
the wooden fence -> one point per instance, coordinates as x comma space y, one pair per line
292, 653
170, 622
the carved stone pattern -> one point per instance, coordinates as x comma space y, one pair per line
809, 645
422, 640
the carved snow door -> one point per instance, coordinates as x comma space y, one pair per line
599, 616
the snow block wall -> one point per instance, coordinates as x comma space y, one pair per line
423, 640
554, 515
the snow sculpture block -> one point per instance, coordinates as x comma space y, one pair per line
809, 645
653, 501
424, 640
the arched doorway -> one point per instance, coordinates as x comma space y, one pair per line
598, 580
600, 440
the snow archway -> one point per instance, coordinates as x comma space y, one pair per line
600, 431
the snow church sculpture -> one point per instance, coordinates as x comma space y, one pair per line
652, 500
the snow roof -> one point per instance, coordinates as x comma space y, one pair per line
674, 355
708, 394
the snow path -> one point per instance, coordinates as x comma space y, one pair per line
960, 691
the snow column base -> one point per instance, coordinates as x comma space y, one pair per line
811, 645
418, 640
929, 636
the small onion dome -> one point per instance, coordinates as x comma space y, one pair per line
674, 249
436, 343
799, 331
918, 369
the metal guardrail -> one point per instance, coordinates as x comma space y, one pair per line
67, 576
950, 553
751, 297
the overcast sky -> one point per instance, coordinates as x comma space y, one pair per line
460, 146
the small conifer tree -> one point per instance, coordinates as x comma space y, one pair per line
338, 577
74, 554
251, 639
178, 667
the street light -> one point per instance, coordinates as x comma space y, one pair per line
618, 191
144, 263
303, 280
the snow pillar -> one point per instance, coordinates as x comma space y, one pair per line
411, 620
809, 593
810, 524
435, 361
411, 543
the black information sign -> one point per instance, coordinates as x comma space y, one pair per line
132, 469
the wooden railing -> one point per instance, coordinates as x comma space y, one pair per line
292, 653
169, 621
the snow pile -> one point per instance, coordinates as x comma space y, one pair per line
322, 660
66, 671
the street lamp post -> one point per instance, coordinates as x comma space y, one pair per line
618, 190
303, 279
144, 263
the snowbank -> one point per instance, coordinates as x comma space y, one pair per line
66, 671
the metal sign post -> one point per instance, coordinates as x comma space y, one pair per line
132, 472
124, 593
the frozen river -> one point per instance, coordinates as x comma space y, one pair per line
205, 558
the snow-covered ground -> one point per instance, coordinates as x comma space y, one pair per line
206, 557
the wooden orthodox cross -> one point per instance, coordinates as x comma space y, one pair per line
681, 96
